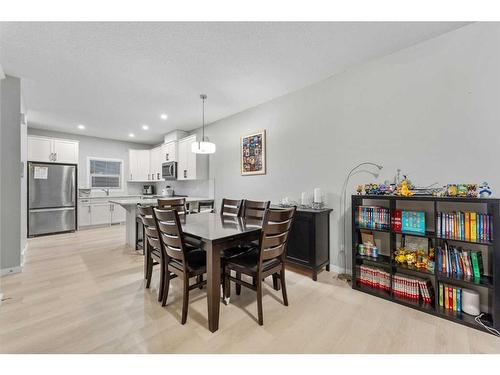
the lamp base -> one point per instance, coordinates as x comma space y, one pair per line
344, 277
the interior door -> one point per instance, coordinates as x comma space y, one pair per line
51, 185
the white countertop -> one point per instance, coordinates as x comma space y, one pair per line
135, 201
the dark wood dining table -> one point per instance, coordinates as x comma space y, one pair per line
217, 233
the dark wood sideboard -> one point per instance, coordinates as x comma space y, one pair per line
309, 241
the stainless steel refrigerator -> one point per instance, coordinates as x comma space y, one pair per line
51, 198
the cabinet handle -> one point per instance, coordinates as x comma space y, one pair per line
89, 208
158, 176
149, 176
166, 156
185, 173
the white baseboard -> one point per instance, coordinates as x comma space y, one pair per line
10, 271
338, 269
23, 254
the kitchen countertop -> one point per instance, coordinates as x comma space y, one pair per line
135, 201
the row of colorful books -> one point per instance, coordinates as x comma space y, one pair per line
373, 217
467, 226
413, 288
450, 297
374, 277
404, 286
462, 263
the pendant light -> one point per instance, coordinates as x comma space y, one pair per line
203, 147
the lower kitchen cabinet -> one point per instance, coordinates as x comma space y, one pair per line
99, 212
309, 241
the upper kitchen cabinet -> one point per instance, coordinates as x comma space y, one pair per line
139, 162
155, 161
191, 166
168, 152
52, 150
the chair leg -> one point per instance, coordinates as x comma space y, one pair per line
199, 279
238, 286
259, 301
185, 300
162, 280
276, 284
149, 274
166, 287
226, 286
283, 286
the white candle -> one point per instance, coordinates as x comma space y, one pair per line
317, 195
303, 198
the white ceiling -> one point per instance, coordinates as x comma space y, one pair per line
113, 77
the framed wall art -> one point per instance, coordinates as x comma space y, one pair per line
253, 153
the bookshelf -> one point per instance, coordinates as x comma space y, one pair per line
488, 284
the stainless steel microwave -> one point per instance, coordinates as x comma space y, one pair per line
169, 170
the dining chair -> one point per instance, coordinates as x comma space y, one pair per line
177, 204
153, 253
231, 207
206, 204
250, 210
266, 259
179, 261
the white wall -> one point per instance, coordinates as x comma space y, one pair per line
432, 110
97, 147
10, 175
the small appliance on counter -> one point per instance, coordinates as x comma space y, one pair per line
148, 190
167, 192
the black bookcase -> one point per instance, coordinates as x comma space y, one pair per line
490, 283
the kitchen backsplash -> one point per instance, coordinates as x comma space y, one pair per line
193, 188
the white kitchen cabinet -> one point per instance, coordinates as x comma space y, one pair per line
155, 163
190, 166
118, 213
52, 150
168, 151
100, 214
65, 151
84, 213
139, 161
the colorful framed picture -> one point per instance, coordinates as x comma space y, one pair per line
253, 153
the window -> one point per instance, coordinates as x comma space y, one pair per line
105, 173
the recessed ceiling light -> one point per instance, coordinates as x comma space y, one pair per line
131, 135
81, 126
163, 116
145, 127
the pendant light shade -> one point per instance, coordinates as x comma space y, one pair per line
203, 147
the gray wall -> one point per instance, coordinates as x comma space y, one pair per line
10, 174
432, 110
97, 147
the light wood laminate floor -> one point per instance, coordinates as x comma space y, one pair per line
84, 293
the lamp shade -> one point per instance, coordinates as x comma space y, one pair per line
203, 147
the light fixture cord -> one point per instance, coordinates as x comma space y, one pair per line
203, 121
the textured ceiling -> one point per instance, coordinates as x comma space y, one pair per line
113, 77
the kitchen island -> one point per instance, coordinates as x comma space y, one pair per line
130, 205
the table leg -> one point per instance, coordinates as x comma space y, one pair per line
213, 285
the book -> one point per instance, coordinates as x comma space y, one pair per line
441, 292
467, 226
454, 296
473, 226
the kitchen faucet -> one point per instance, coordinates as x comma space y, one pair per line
106, 191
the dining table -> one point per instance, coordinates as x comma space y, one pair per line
215, 234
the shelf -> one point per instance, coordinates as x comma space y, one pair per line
484, 281
374, 292
419, 305
430, 198
485, 243
373, 229
413, 270
463, 318
427, 234
381, 260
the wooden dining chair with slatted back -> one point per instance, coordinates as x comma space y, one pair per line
153, 254
252, 210
268, 259
179, 261
176, 204
231, 207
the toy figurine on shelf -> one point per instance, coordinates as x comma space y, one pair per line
359, 189
472, 190
485, 190
462, 190
452, 190
403, 188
